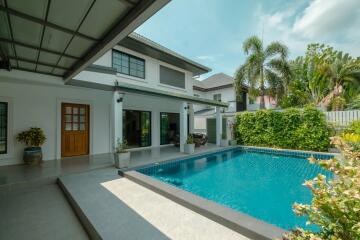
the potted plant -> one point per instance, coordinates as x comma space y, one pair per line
122, 156
33, 139
189, 146
224, 142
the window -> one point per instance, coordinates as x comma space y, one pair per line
172, 77
128, 64
3, 127
217, 97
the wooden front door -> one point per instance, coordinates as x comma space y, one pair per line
74, 129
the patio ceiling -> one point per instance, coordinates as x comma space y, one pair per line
62, 37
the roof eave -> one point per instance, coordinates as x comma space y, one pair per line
139, 14
152, 49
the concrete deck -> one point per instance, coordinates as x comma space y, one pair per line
160, 154
49, 171
117, 208
38, 213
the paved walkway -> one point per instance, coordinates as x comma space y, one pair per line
51, 170
38, 213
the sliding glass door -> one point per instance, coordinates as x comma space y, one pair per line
137, 128
169, 127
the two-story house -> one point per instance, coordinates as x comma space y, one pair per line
137, 91
220, 87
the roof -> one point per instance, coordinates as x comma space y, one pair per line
216, 81
63, 37
141, 44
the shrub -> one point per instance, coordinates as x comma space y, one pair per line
34, 137
354, 127
292, 128
335, 207
190, 139
121, 146
353, 140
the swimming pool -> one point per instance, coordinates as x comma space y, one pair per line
261, 183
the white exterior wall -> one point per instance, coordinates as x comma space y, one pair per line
35, 101
152, 73
36, 104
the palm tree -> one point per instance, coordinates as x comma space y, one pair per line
264, 69
343, 73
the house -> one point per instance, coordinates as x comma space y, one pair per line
220, 87
89, 84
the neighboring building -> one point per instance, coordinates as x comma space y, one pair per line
135, 90
270, 103
220, 87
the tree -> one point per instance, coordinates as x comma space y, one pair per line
343, 73
264, 69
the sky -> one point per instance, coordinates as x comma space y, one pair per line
211, 32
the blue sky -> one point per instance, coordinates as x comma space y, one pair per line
211, 32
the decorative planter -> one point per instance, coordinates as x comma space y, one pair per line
224, 143
233, 142
122, 160
189, 148
32, 155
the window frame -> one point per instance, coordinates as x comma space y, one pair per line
114, 51
217, 95
6, 128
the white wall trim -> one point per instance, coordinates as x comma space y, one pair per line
59, 101
10, 128
172, 87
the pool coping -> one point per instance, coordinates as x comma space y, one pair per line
180, 158
289, 150
242, 223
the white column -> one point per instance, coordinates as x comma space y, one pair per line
191, 118
117, 105
183, 125
218, 126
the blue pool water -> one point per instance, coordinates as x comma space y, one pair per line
262, 185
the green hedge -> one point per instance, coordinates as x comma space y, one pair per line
293, 128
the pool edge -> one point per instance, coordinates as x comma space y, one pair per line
237, 221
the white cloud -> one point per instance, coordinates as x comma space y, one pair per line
333, 22
328, 18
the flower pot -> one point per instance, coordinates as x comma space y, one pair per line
224, 143
122, 160
189, 148
32, 155
233, 142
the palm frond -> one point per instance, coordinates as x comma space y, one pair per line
277, 48
253, 44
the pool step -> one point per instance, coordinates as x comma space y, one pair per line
101, 213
